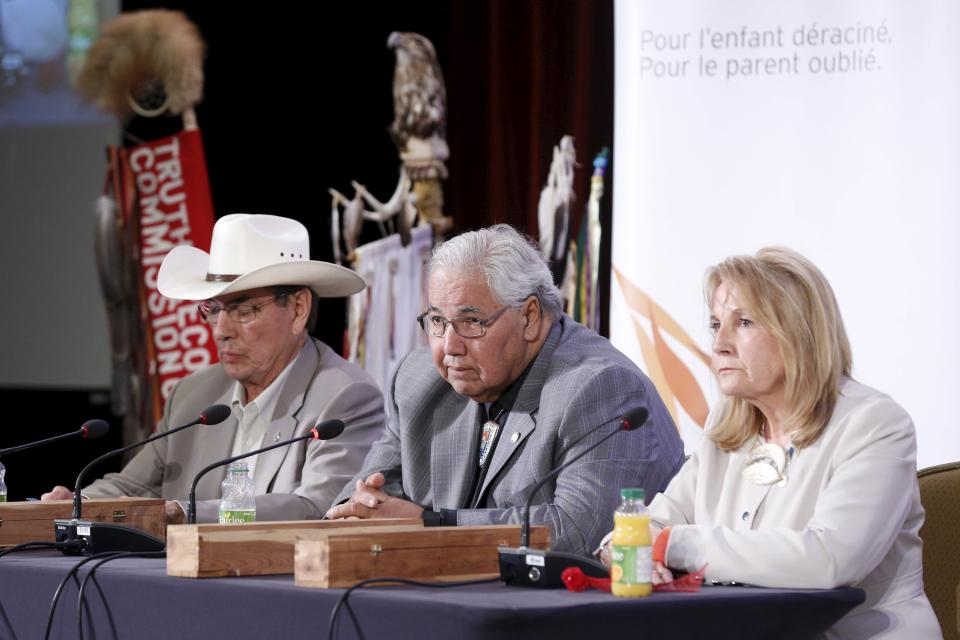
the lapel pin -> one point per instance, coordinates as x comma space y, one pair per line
276, 438
515, 436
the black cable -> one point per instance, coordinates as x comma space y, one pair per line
42, 544
63, 583
345, 596
93, 569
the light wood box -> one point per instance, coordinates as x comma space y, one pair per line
33, 521
439, 554
252, 548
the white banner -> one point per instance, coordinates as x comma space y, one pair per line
829, 127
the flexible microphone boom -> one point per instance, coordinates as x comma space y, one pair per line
527, 567
322, 431
91, 430
114, 537
214, 414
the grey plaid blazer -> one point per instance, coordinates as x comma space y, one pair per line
578, 382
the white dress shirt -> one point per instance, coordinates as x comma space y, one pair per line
255, 416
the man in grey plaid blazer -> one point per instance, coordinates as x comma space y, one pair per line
509, 389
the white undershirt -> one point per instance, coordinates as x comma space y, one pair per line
256, 415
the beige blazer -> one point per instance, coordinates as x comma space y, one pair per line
292, 483
848, 515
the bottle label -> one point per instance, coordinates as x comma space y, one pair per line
236, 516
3, 497
630, 564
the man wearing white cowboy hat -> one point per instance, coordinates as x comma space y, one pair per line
258, 289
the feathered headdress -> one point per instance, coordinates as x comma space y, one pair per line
145, 62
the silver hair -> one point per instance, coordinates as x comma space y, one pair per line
510, 263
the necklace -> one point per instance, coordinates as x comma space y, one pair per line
767, 463
491, 429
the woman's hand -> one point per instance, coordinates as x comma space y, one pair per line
660, 575
604, 554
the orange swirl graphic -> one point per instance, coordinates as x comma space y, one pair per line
673, 379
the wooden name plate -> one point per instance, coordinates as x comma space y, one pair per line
253, 548
33, 521
438, 554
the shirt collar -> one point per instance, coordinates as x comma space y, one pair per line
267, 399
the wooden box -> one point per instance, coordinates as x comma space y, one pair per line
438, 554
33, 521
253, 548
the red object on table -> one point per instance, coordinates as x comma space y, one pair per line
576, 580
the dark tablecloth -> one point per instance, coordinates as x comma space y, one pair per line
135, 599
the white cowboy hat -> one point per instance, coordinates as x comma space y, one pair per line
248, 252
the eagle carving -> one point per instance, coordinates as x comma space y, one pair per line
419, 93
419, 130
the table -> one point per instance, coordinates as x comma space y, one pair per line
133, 598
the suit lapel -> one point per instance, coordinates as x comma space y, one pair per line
748, 501
752, 499
284, 422
521, 421
515, 431
214, 442
453, 450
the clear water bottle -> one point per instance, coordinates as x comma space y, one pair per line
631, 566
237, 503
3, 486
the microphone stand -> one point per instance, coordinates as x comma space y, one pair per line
91, 429
110, 454
525, 567
323, 431
99, 537
192, 502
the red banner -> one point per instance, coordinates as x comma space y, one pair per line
175, 208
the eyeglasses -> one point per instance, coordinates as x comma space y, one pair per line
242, 312
465, 327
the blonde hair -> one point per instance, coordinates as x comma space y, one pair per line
790, 298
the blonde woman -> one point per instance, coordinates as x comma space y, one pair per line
806, 478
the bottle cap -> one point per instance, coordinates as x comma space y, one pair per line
632, 494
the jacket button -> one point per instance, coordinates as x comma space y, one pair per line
745, 516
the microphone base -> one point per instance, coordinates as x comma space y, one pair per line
526, 567
101, 537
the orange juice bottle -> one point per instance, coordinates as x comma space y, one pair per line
630, 562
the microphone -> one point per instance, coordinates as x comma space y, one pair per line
91, 430
214, 414
526, 567
322, 431
115, 537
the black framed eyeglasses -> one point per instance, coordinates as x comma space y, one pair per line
242, 312
465, 326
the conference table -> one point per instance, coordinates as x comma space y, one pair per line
133, 598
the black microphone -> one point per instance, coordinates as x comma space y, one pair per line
214, 414
322, 431
91, 430
122, 538
537, 568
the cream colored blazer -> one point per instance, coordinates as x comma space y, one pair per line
848, 515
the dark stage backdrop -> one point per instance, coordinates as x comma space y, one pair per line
299, 100
298, 97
